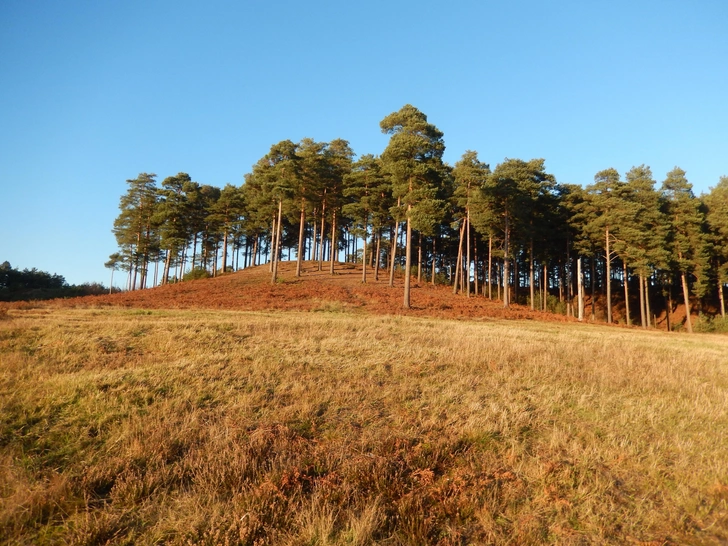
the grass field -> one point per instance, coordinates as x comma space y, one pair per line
131, 426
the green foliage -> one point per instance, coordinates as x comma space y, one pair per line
196, 273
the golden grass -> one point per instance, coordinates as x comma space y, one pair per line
195, 427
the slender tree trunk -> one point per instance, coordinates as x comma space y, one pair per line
506, 250
167, 263
642, 301
334, 243
580, 289
466, 278
321, 236
254, 257
721, 297
459, 261
498, 280
111, 282
626, 292
364, 255
669, 307
686, 297
647, 302
475, 267
490, 267
545, 287
419, 259
393, 253
301, 229
274, 251
432, 271
593, 288
273, 243
531, 276
609, 278
408, 260
376, 258
224, 250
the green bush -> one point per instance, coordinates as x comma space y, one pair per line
196, 273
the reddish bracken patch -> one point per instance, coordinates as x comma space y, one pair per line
251, 290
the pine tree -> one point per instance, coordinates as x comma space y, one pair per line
413, 158
717, 216
134, 228
687, 239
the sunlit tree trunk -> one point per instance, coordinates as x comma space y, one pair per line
276, 245
531, 276
408, 260
376, 257
625, 277
393, 254
580, 289
301, 229
643, 314
490, 267
686, 297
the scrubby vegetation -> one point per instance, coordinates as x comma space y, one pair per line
133, 426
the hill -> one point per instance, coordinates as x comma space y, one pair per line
250, 290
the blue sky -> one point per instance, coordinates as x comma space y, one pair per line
93, 93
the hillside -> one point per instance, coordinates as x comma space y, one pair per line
250, 290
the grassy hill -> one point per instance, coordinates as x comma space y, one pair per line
230, 411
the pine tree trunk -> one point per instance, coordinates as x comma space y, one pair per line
408, 260
432, 271
274, 250
647, 303
686, 297
490, 267
466, 278
364, 256
580, 289
459, 261
609, 278
272, 242
167, 263
419, 259
393, 253
376, 258
321, 236
625, 278
301, 229
506, 250
669, 307
643, 314
254, 257
531, 276
334, 243
475, 267
224, 251
721, 297
593, 288
545, 282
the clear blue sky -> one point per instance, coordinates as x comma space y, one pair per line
93, 93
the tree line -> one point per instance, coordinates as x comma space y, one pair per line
34, 284
512, 233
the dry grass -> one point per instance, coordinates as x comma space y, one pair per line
302, 428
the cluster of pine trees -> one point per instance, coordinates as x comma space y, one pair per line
513, 233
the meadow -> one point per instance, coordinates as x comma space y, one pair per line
138, 426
